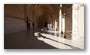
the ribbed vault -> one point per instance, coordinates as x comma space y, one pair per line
41, 13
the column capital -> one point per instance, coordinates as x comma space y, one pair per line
81, 5
77, 6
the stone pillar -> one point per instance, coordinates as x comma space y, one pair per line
63, 25
53, 24
78, 22
57, 24
81, 22
75, 22
60, 17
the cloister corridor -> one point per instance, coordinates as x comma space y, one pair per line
44, 26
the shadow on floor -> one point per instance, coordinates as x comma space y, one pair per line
24, 40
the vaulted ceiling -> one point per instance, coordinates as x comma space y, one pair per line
38, 10
51, 10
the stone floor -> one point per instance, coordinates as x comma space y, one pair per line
39, 39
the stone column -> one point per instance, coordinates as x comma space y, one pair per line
75, 21
60, 16
78, 22
53, 23
81, 21
57, 24
63, 25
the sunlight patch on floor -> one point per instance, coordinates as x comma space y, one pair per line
54, 44
54, 39
78, 44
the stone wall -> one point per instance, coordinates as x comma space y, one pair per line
16, 10
14, 20
13, 25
